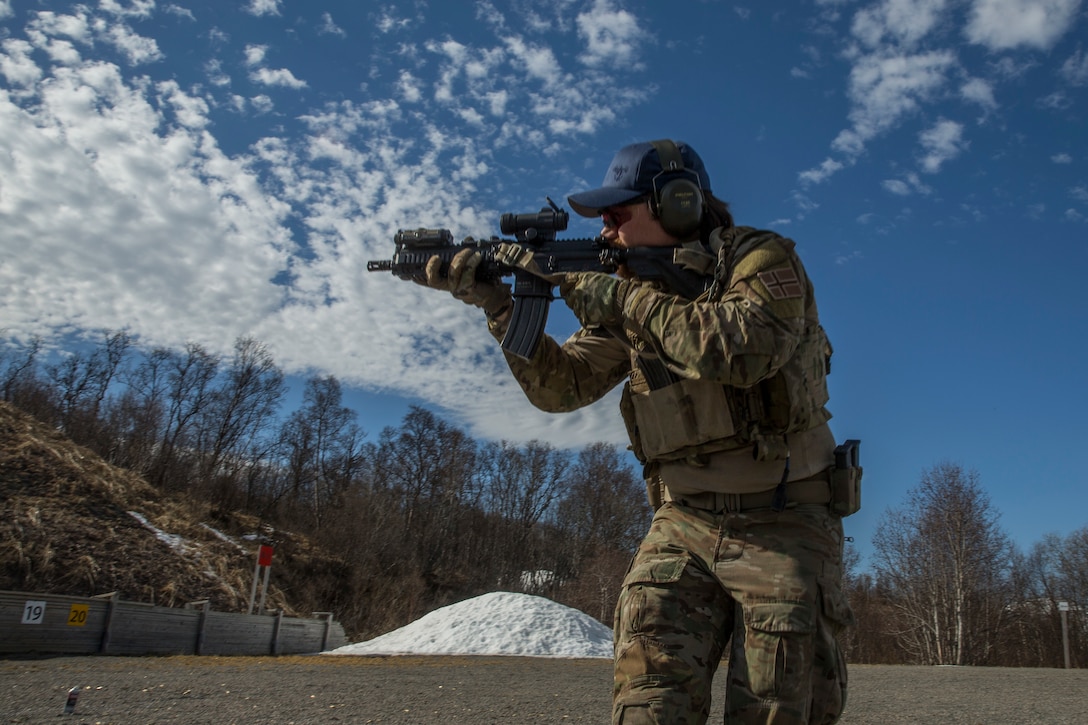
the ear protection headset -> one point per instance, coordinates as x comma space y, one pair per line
677, 201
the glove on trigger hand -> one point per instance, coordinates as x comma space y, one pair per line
517, 256
461, 282
595, 298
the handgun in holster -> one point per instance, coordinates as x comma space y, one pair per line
846, 479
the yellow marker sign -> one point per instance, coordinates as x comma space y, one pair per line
77, 615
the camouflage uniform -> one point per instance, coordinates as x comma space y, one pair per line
710, 382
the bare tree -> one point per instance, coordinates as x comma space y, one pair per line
188, 381
18, 369
945, 562
522, 486
238, 413
1055, 571
322, 445
138, 416
604, 502
82, 380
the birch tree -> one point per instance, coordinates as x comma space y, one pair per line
945, 560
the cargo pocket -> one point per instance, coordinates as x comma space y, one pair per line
637, 608
647, 672
644, 707
779, 647
829, 682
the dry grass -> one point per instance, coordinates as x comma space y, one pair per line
65, 528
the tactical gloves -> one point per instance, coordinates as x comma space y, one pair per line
460, 281
595, 298
515, 255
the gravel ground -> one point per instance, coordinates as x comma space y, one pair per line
451, 690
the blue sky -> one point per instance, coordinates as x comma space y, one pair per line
197, 171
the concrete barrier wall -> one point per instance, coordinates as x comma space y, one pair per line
54, 624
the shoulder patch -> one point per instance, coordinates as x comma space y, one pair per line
782, 283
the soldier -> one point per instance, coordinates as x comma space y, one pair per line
724, 403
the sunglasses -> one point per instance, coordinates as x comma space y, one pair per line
616, 216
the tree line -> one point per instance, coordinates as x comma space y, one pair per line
948, 586
423, 516
427, 516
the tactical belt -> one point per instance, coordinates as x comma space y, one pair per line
809, 491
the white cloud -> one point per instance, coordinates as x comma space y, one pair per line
86, 30
180, 11
1075, 69
190, 111
496, 101
255, 56
1056, 101
167, 227
76, 27
1062, 158
262, 104
130, 215
848, 257
136, 8
905, 22
612, 36
906, 186
1080, 193
942, 142
137, 48
16, 64
1007, 24
884, 88
980, 92
1009, 68
821, 173
409, 87
5, 9
897, 187
538, 61
263, 7
276, 77
388, 23
805, 205
214, 70
329, 27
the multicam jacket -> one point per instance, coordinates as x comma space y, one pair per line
718, 388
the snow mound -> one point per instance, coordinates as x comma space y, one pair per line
499, 623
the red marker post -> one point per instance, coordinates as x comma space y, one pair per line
264, 560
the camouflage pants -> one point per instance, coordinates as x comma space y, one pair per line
769, 582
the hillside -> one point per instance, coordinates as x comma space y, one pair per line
72, 524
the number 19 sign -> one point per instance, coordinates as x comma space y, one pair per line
34, 612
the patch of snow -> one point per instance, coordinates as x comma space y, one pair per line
219, 534
499, 623
174, 542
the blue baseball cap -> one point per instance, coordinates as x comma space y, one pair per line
631, 175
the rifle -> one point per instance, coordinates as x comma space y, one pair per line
532, 294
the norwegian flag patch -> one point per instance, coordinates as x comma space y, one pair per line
783, 284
